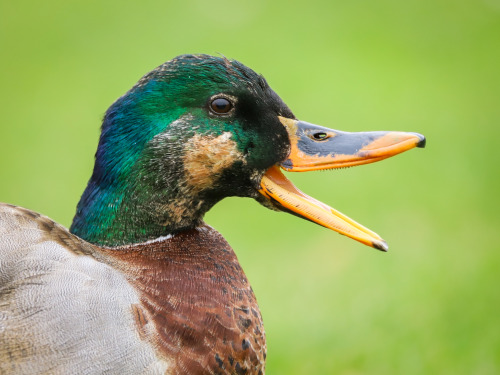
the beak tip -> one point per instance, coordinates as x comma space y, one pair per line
422, 141
381, 245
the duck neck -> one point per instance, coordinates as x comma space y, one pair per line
136, 193
116, 216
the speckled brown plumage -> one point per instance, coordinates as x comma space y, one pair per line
197, 307
195, 312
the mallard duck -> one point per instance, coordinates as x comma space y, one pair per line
140, 284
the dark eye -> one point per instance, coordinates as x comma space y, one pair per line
321, 136
220, 105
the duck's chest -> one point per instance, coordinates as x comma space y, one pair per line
196, 305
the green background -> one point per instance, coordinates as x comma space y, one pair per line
331, 305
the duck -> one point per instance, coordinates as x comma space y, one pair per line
140, 284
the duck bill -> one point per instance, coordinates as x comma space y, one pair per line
286, 197
317, 148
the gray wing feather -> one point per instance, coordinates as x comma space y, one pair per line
61, 310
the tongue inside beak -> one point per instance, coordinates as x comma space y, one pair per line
315, 148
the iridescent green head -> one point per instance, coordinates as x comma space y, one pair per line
191, 132
198, 129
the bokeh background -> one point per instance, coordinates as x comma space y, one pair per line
331, 305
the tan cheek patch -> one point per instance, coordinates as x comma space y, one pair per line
205, 157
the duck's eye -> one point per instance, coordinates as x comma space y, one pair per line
320, 136
220, 105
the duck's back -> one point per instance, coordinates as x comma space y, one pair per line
61, 310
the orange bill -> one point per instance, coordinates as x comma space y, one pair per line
315, 148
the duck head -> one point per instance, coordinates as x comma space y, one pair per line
198, 129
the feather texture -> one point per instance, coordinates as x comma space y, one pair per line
178, 305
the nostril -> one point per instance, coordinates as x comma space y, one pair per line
320, 136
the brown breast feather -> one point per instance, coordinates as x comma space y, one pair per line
204, 314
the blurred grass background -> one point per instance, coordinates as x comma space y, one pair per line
330, 305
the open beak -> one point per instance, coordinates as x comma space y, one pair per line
317, 148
